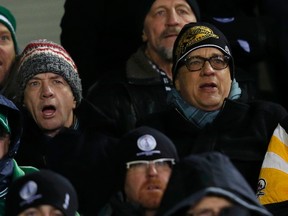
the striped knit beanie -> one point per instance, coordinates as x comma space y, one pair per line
7, 19
43, 56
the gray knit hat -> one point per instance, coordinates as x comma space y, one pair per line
43, 56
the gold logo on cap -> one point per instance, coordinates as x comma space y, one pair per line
192, 36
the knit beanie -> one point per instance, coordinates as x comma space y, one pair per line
198, 35
43, 56
43, 187
7, 19
142, 143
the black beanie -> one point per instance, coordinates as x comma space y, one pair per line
148, 3
142, 7
142, 143
198, 35
42, 187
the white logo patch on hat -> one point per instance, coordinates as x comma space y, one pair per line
147, 143
67, 201
29, 193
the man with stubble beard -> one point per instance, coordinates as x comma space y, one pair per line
147, 77
143, 161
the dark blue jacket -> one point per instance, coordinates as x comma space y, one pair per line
241, 130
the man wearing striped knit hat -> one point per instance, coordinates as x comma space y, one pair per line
62, 131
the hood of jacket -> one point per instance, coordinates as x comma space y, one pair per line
15, 123
207, 174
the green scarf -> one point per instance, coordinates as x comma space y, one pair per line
197, 116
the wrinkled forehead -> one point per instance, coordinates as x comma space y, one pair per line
168, 4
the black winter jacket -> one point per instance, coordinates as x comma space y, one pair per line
128, 98
82, 154
241, 130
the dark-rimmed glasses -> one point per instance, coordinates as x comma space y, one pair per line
196, 63
159, 164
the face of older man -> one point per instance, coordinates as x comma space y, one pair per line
162, 25
49, 99
206, 88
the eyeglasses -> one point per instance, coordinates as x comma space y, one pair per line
161, 164
196, 63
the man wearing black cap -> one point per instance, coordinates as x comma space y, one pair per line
143, 161
148, 72
207, 108
62, 131
42, 193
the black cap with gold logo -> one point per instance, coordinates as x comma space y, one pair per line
198, 35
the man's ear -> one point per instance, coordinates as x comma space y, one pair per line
144, 36
74, 103
176, 82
